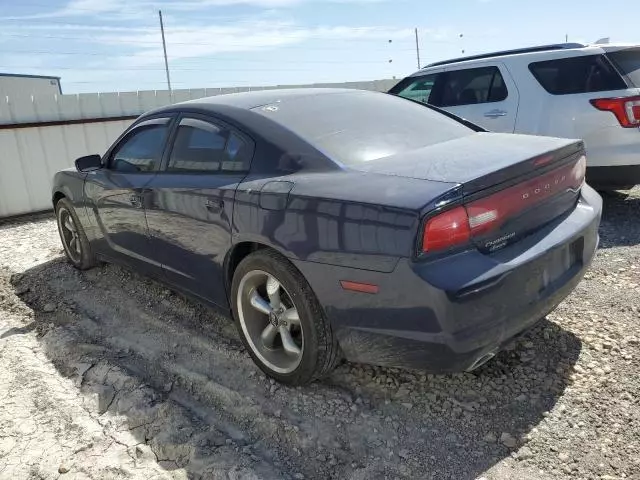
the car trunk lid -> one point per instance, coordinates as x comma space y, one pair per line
503, 214
510, 185
477, 161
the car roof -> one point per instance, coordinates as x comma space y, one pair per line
536, 51
517, 51
250, 100
330, 123
237, 104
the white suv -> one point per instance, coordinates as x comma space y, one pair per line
566, 90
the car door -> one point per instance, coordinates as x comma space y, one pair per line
191, 204
485, 95
116, 194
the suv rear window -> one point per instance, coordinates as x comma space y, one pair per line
628, 62
584, 74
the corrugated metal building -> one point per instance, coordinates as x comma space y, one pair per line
13, 84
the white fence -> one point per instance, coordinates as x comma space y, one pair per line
43, 134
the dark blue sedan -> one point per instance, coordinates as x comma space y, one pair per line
340, 224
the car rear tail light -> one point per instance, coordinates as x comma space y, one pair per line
461, 224
626, 109
449, 229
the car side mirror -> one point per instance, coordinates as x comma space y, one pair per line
88, 163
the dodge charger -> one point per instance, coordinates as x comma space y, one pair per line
340, 224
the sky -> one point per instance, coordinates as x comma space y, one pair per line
115, 45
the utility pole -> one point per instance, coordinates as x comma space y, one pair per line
164, 47
566, 38
417, 48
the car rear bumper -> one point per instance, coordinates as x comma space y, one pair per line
614, 177
445, 315
612, 146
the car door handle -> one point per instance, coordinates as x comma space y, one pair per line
214, 206
136, 200
495, 113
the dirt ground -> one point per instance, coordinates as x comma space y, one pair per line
107, 375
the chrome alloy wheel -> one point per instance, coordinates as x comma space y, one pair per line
69, 234
270, 321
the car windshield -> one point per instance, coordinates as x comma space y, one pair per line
628, 62
354, 127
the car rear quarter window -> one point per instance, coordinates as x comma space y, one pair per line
628, 63
356, 127
201, 146
582, 74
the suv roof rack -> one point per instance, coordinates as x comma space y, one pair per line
541, 48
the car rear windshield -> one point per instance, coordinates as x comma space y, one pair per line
628, 62
354, 127
583, 74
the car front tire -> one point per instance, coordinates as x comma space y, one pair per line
280, 321
76, 245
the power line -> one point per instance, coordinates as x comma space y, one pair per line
160, 69
50, 19
309, 35
26, 3
186, 27
88, 54
59, 12
199, 59
66, 37
218, 54
72, 26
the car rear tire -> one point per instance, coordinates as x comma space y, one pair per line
76, 245
280, 321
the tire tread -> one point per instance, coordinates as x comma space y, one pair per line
88, 259
327, 349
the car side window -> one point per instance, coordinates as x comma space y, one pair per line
141, 151
202, 146
419, 88
472, 86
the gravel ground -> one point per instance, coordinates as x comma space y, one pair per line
104, 374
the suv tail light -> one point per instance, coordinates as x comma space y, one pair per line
626, 109
461, 224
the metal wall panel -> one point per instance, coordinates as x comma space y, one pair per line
29, 157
